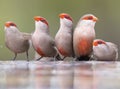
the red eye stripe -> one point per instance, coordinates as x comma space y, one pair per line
44, 21
39, 18
98, 42
101, 42
64, 15
8, 24
90, 17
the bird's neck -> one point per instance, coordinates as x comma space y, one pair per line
41, 28
66, 23
65, 26
86, 23
12, 30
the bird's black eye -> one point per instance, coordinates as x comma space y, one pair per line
90, 17
68, 17
42, 20
101, 42
12, 24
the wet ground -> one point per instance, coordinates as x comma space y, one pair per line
59, 75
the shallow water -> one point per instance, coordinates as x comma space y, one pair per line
59, 75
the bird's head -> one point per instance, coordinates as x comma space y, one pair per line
41, 22
89, 17
65, 19
98, 42
10, 24
88, 20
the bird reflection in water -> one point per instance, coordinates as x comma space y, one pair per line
62, 75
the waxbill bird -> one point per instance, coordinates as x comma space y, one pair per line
41, 40
104, 51
83, 37
15, 40
64, 36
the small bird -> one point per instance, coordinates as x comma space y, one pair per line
15, 40
64, 36
83, 37
104, 51
41, 40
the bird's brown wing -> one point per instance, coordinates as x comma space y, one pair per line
27, 36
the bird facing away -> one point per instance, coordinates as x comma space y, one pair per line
15, 40
41, 40
64, 36
104, 51
83, 37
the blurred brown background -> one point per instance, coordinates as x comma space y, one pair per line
22, 12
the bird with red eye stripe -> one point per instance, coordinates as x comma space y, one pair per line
64, 36
16, 41
104, 51
42, 41
83, 37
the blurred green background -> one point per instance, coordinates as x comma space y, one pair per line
22, 12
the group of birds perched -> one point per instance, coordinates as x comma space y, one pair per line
79, 43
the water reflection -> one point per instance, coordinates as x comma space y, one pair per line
83, 76
42, 76
59, 75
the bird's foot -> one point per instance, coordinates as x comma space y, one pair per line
58, 58
83, 58
38, 59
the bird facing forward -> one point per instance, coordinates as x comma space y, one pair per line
64, 36
41, 40
83, 37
